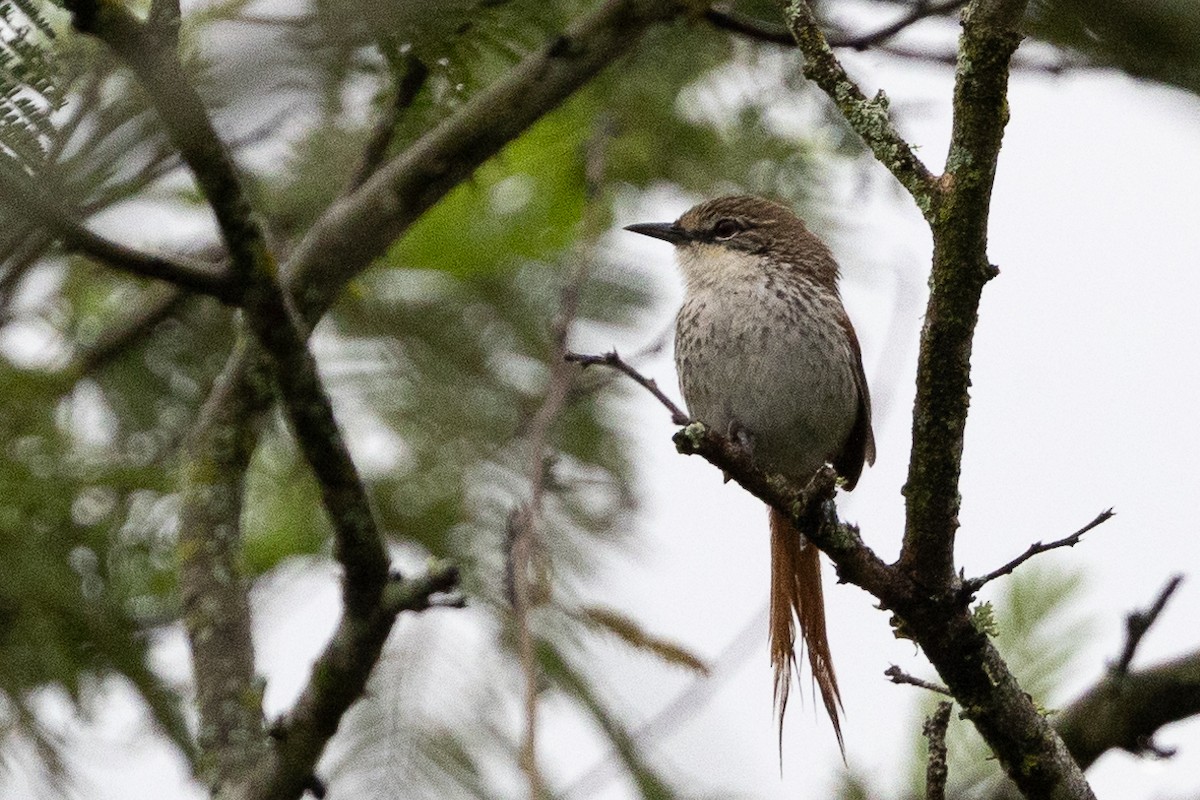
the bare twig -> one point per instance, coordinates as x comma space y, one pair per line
611, 359
900, 677
970, 587
937, 769
153, 306
1137, 623
916, 12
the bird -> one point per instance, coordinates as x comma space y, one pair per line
767, 355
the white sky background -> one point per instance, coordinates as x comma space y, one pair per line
1085, 389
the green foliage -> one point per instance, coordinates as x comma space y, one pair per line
65, 619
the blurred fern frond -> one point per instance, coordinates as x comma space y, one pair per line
30, 90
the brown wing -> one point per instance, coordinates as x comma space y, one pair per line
860, 444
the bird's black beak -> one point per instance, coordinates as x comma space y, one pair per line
667, 231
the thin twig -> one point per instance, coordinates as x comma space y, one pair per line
900, 677
1137, 623
151, 307
916, 13
970, 587
937, 769
611, 359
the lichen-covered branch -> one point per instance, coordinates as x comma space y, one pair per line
974, 672
870, 119
937, 769
959, 271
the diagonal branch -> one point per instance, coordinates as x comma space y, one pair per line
19, 193
970, 587
359, 228
1125, 709
870, 119
612, 359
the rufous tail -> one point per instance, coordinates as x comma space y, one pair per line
796, 596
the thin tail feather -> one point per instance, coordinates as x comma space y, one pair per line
796, 596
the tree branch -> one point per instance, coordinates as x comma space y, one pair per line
771, 33
19, 193
612, 359
1125, 710
213, 589
151, 307
973, 585
900, 677
338, 679
870, 119
923, 9
960, 270
359, 228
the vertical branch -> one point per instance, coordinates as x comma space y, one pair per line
215, 594
960, 270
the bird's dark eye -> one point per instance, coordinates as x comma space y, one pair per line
726, 229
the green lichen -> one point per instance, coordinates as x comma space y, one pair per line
983, 617
689, 439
